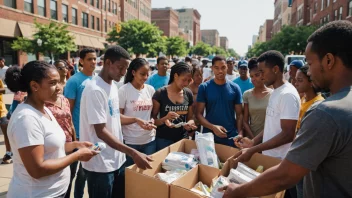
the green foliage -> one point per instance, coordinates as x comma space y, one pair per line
138, 37
233, 53
55, 37
289, 40
176, 46
220, 51
201, 49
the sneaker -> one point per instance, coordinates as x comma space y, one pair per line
7, 159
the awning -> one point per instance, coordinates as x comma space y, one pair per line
9, 28
86, 41
77, 39
27, 30
97, 43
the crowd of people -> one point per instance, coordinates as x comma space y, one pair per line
56, 118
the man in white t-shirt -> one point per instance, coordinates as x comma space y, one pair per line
231, 75
282, 112
3, 69
100, 121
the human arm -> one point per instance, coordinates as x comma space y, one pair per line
246, 116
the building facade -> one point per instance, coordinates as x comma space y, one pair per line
282, 15
167, 21
224, 42
189, 20
88, 21
136, 9
211, 37
266, 31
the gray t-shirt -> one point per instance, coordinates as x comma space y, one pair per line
324, 146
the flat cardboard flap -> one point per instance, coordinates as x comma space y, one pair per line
225, 152
184, 146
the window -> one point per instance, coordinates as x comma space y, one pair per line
104, 5
28, 5
92, 2
114, 10
98, 24
10, 3
109, 5
65, 13
74, 16
350, 8
92, 21
322, 5
335, 15
97, 3
315, 7
84, 19
53, 8
41, 7
327, 3
328, 18
340, 14
321, 21
105, 25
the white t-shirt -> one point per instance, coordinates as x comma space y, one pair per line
233, 76
3, 72
29, 127
284, 103
100, 104
207, 72
139, 104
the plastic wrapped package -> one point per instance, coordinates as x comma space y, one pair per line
216, 184
237, 177
206, 147
179, 160
247, 171
195, 152
201, 189
170, 176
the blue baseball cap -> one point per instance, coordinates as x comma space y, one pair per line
242, 63
297, 63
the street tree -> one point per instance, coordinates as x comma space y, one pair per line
202, 49
220, 51
138, 37
176, 46
52, 39
233, 53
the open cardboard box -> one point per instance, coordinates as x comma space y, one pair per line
256, 160
142, 184
182, 186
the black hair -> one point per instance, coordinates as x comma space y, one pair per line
188, 59
134, 66
85, 51
115, 53
305, 70
60, 61
272, 58
179, 68
335, 38
175, 60
160, 59
217, 58
2, 58
18, 79
196, 69
252, 64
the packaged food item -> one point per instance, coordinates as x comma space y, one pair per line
201, 189
98, 147
170, 176
179, 160
216, 184
206, 147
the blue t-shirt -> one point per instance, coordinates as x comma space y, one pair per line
73, 90
244, 84
158, 81
220, 101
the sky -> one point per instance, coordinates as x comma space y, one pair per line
238, 20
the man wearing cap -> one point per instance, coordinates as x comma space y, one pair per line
231, 74
244, 82
294, 66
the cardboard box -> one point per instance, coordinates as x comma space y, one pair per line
181, 188
256, 160
142, 184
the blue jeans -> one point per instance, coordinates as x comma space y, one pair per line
147, 149
106, 185
80, 182
162, 143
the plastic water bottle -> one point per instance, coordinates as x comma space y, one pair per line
99, 146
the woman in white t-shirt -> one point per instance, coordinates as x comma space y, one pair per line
135, 99
41, 166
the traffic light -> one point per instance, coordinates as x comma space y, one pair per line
118, 27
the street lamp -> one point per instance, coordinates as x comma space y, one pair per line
39, 42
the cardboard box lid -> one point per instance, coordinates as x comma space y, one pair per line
182, 186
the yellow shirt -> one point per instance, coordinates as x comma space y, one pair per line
3, 110
305, 106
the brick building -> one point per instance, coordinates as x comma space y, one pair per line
266, 31
224, 42
167, 21
88, 20
282, 15
211, 37
136, 9
319, 12
189, 20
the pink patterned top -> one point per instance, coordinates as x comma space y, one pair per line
62, 113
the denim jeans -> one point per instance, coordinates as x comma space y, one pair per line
80, 182
147, 149
162, 143
106, 185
